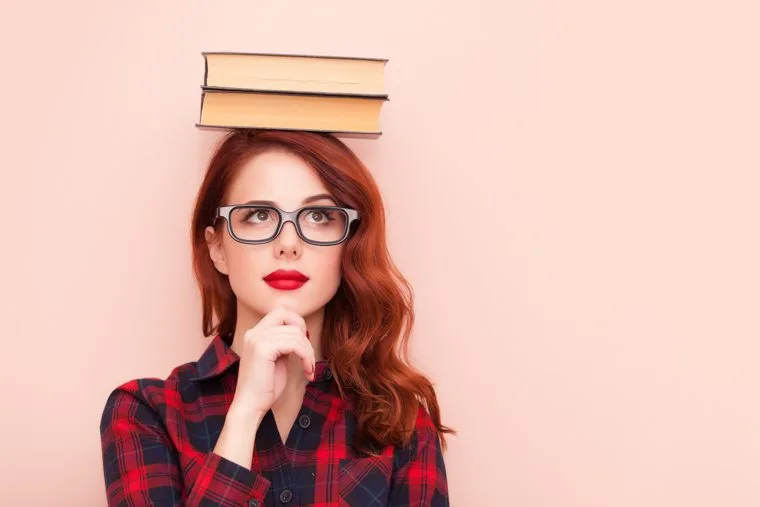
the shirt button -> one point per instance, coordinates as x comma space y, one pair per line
304, 421
328, 373
253, 503
286, 496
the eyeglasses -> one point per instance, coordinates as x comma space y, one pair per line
316, 225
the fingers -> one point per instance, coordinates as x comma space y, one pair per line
291, 343
283, 315
283, 331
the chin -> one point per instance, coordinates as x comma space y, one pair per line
296, 302
303, 302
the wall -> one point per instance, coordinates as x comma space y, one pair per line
571, 188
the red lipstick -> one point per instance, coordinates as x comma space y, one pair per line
286, 280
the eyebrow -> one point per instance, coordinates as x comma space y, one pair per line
313, 198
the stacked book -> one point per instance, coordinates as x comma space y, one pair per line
339, 95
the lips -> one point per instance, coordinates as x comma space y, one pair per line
286, 279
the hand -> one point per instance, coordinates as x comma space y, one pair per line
264, 358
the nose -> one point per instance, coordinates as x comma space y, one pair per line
287, 243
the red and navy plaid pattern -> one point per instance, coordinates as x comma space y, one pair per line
158, 438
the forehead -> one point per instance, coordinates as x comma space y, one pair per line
277, 176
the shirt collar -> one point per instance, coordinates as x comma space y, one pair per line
219, 357
216, 359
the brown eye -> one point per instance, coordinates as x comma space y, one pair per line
317, 216
257, 216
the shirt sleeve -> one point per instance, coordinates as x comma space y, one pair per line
420, 478
141, 467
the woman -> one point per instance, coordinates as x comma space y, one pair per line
304, 395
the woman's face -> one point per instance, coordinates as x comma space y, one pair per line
287, 181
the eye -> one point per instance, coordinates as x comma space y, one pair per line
257, 216
319, 216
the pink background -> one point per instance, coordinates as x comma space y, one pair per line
593, 331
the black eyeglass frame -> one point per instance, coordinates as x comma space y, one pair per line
285, 217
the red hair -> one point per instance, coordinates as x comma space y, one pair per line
368, 322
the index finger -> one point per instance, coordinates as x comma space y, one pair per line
283, 315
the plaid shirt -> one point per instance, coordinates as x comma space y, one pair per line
158, 438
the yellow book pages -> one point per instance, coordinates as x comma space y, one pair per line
291, 111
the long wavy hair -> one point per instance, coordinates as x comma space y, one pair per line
368, 322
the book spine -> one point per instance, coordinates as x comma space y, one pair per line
297, 55
350, 134
221, 89
200, 113
205, 69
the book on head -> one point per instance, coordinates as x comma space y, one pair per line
334, 94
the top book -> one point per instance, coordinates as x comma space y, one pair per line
295, 73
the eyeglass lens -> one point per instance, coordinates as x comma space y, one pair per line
260, 223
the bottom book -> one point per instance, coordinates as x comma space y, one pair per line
352, 116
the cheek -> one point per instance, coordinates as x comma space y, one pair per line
327, 272
242, 263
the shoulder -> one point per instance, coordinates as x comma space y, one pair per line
423, 435
424, 430
146, 403
423, 424
146, 399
